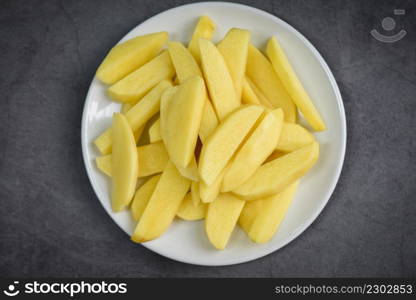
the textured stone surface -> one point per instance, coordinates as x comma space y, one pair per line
51, 223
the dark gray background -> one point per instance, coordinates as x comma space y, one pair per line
51, 223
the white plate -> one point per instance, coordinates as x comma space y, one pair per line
186, 241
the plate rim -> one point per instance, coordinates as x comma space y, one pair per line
313, 217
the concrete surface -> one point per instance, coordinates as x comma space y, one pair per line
51, 223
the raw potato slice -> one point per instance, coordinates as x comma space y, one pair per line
274, 176
182, 119
154, 132
218, 79
124, 166
191, 171
188, 211
248, 96
234, 48
163, 205
261, 72
293, 85
152, 159
224, 141
186, 67
255, 150
196, 199
222, 216
126, 57
262, 98
135, 85
203, 30
142, 197
293, 137
125, 107
208, 193
260, 219
137, 116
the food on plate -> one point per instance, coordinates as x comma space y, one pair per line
222, 143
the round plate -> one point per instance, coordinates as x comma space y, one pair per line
187, 241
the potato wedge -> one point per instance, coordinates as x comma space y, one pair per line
293, 137
293, 85
152, 159
186, 67
219, 82
196, 198
130, 55
154, 132
273, 177
181, 120
208, 193
190, 171
224, 141
233, 48
188, 211
137, 116
261, 72
135, 85
162, 206
125, 107
248, 96
124, 163
262, 98
260, 219
142, 197
254, 151
221, 218
204, 29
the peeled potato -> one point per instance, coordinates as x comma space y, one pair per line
248, 96
162, 206
224, 141
219, 82
188, 211
190, 171
126, 57
137, 116
234, 48
274, 176
154, 132
124, 167
258, 146
261, 72
259, 94
204, 29
293, 85
260, 219
221, 218
208, 193
135, 85
181, 120
293, 137
196, 199
142, 197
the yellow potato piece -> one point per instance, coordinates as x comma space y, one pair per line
190, 171
255, 150
204, 29
221, 218
186, 67
181, 120
137, 116
135, 85
293, 137
261, 72
262, 98
152, 159
248, 96
188, 211
142, 197
125, 107
196, 199
208, 193
293, 85
219, 82
162, 206
124, 163
260, 219
130, 55
234, 48
224, 141
154, 132
274, 176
